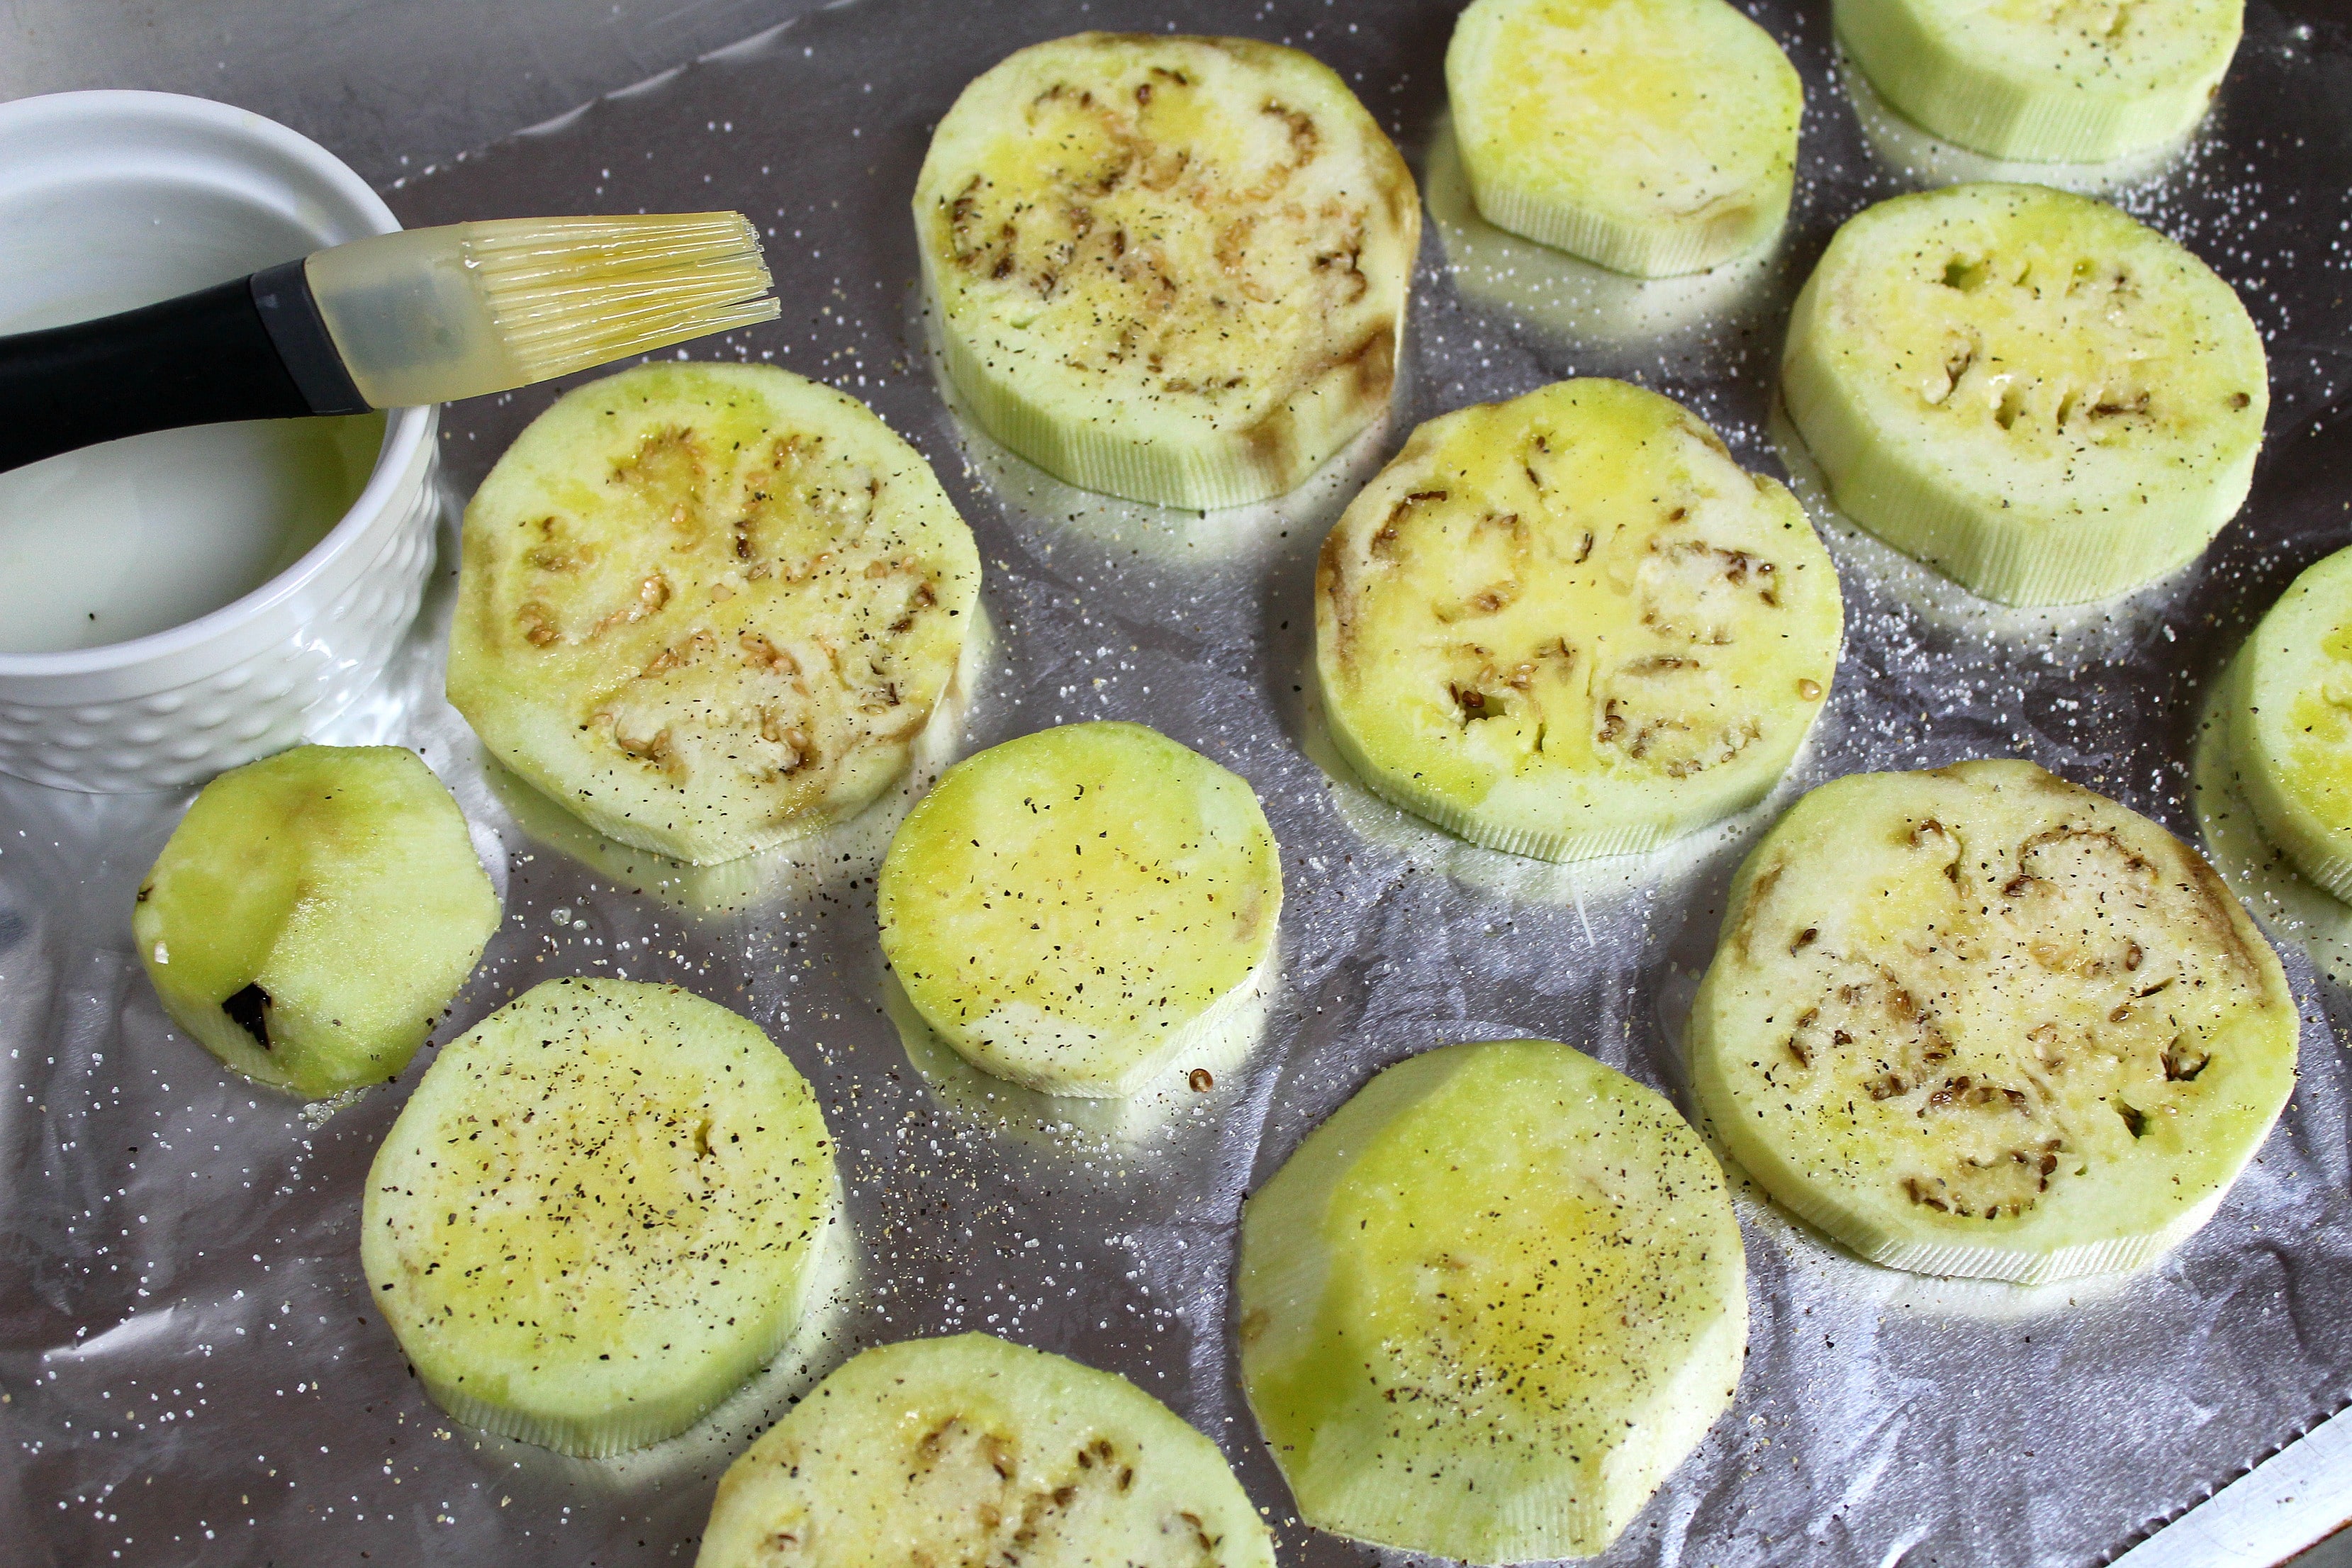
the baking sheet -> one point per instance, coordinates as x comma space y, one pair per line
188, 1363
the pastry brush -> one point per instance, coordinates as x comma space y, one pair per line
425, 315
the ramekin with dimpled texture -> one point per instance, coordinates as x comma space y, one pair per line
180, 705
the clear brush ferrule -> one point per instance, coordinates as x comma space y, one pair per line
433, 314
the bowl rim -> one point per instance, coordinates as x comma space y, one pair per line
406, 429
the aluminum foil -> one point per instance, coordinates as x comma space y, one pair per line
189, 1368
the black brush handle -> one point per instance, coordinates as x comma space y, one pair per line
254, 348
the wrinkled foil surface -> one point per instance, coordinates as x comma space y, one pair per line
189, 1366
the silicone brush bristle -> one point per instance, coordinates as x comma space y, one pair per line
568, 293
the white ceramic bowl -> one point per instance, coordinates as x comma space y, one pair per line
112, 199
